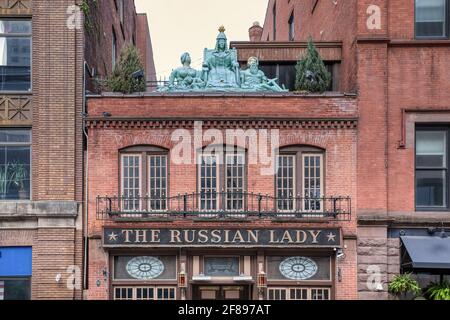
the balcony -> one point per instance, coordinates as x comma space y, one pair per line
223, 205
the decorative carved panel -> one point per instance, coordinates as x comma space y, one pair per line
16, 109
15, 7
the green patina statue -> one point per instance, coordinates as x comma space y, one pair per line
185, 77
254, 79
220, 73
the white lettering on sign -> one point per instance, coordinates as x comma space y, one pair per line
374, 19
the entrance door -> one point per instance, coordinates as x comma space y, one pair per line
222, 292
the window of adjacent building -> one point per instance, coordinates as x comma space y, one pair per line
432, 168
222, 172
15, 273
120, 9
274, 14
114, 50
15, 164
291, 27
299, 180
432, 18
144, 179
15, 289
285, 73
15, 55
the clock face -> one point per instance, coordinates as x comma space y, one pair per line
145, 268
298, 268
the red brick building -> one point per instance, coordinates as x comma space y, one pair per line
395, 56
160, 228
43, 46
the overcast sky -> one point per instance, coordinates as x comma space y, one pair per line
178, 26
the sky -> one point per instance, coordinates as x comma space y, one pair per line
178, 26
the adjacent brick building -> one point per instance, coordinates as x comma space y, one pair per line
41, 143
395, 56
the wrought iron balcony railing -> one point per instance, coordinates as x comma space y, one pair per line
223, 205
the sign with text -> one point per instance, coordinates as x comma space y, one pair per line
113, 237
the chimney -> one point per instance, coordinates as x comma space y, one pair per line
255, 32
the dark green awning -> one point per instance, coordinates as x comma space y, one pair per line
427, 252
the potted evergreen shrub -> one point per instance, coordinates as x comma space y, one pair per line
403, 284
128, 76
438, 291
312, 75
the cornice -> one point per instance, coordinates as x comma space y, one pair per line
129, 123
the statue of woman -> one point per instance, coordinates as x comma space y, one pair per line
185, 77
221, 68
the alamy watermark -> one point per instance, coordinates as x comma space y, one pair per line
261, 146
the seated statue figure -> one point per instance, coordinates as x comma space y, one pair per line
255, 80
185, 77
220, 68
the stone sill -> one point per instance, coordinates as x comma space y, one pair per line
14, 209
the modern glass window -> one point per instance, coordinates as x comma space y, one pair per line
432, 18
15, 55
15, 289
299, 177
291, 27
222, 175
432, 168
144, 179
15, 164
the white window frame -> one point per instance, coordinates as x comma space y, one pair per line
122, 184
135, 288
304, 156
149, 186
200, 180
309, 296
294, 183
238, 154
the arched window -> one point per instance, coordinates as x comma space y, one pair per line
299, 180
222, 176
144, 178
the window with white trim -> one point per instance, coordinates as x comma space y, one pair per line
222, 174
299, 180
299, 293
157, 184
131, 182
144, 293
144, 178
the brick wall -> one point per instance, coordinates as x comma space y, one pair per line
323, 21
107, 138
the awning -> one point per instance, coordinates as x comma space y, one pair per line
426, 252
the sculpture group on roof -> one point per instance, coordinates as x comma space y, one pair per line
220, 72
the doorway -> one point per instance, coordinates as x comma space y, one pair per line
222, 292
